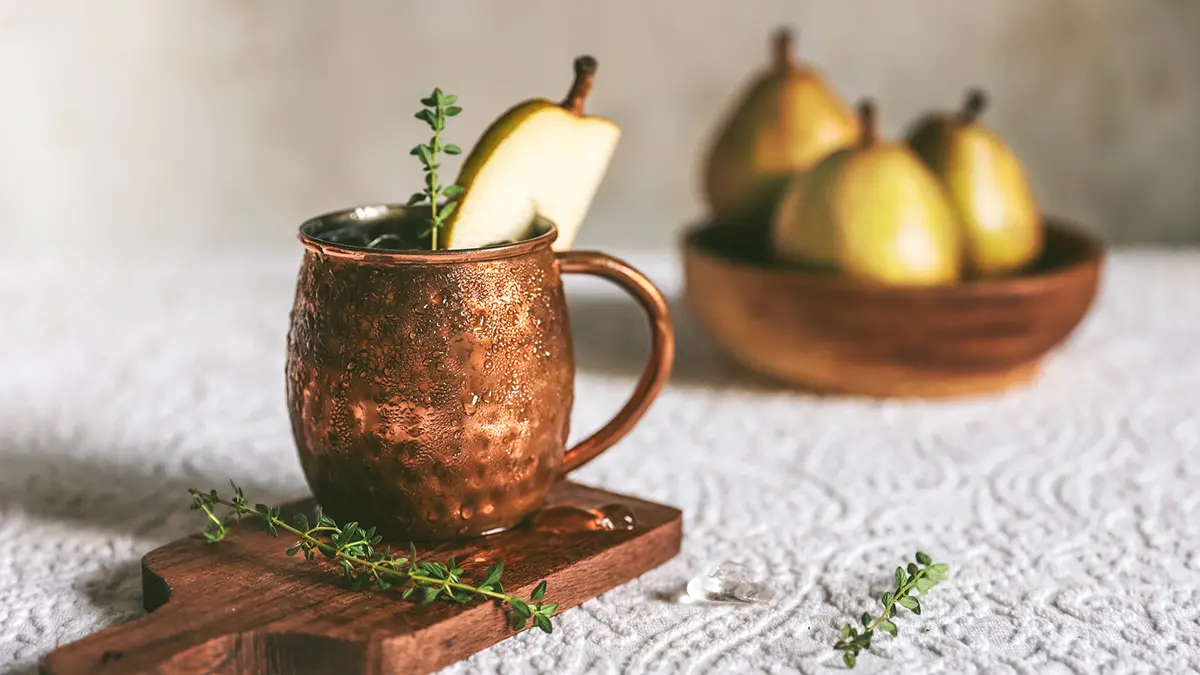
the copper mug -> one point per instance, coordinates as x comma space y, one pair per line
430, 392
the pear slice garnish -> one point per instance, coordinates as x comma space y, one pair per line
539, 160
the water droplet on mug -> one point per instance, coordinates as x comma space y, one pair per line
470, 402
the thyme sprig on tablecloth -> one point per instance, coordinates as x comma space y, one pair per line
920, 576
354, 549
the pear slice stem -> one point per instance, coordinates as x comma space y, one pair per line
867, 120
783, 49
973, 106
585, 73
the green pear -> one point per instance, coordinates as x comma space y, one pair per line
1003, 226
874, 212
788, 120
540, 160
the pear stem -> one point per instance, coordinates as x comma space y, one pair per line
866, 118
783, 48
973, 106
585, 73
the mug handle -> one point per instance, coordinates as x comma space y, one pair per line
662, 351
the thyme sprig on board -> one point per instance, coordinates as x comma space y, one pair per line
356, 550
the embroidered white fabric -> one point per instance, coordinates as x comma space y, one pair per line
1069, 509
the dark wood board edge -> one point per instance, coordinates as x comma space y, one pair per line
297, 650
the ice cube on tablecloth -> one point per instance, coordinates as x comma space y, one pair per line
729, 582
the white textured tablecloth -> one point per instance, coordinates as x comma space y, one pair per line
1069, 509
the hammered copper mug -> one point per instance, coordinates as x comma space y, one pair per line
430, 392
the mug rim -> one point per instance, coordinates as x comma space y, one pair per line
369, 212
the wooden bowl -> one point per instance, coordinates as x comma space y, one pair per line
831, 333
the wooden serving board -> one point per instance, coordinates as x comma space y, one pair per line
242, 606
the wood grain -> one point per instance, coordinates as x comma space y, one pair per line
241, 606
830, 333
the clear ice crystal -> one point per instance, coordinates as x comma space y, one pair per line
388, 241
729, 582
351, 235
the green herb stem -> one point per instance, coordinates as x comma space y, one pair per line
437, 107
922, 575
887, 608
434, 187
460, 586
375, 565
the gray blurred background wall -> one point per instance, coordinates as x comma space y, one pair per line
200, 124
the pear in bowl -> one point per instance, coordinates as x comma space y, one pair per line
788, 119
873, 212
1002, 226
